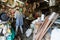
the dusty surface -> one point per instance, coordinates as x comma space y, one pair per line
29, 38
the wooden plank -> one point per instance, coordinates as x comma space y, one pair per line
45, 26
43, 33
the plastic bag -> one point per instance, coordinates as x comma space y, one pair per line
28, 32
55, 35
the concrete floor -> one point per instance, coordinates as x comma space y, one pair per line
29, 38
23, 37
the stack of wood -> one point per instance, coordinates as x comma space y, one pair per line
41, 30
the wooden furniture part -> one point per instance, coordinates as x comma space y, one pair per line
40, 32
